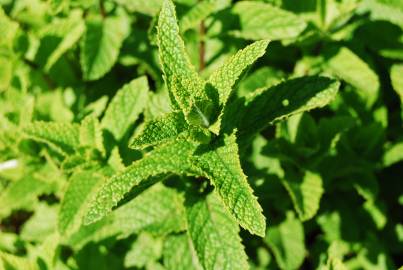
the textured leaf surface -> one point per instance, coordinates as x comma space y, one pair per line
349, 67
226, 76
264, 21
256, 111
91, 133
145, 250
63, 137
179, 253
287, 242
305, 193
160, 130
73, 206
214, 234
222, 166
173, 157
100, 46
185, 86
125, 107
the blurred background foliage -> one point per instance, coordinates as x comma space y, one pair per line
330, 181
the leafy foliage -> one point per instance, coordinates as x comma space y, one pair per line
187, 134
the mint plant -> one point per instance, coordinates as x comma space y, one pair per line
181, 134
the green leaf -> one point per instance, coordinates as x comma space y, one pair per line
100, 46
62, 137
214, 234
393, 154
21, 194
12, 262
41, 225
146, 249
184, 84
226, 76
125, 107
76, 198
305, 192
348, 66
173, 157
397, 80
287, 243
220, 163
91, 133
179, 253
73, 34
160, 130
255, 112
264, 21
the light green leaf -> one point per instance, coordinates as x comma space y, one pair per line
70, 38
76, 198
146, 249
256, 111
305, 192
393, 154
220, 163
397, 80
287, 243
125, 107
21, 194
12, 262
184, 84
160, 130
348, 66
173, 157
224, 78
263, 21
62, 137
41, 225
91, 133
179, 253
100, 46
148, 7
199, 12
158, 210
214, 234
391, 11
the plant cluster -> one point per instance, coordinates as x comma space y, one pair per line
161, 134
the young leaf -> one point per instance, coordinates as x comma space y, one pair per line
78, 193
63, 137
100, 46
221, 165
214, 234
397, 80
160, 130
125, 107
179, 253
226, 76
287, 242
184, 84
263, 21
173, 157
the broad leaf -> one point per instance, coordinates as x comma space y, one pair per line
63, 137
287, 242
125, 107
91, 134
179, 253
214, 234
220, 163
225, 77
173, 157
348, 66
100, 46
78, 193
160, 130
263, 21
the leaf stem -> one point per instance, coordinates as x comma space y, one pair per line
202, 46
102, 8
